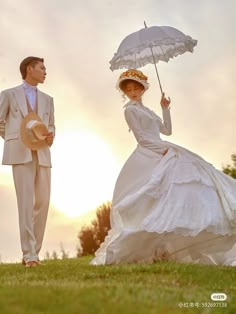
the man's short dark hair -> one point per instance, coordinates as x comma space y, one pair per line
26, 62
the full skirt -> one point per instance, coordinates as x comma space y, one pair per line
173, 207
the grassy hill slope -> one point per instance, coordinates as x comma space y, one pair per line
73, 286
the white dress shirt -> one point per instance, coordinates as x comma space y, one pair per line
31, 94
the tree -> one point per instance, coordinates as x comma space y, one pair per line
102, 222
54, 255
231, 170
47, 256
92, 236
64, 254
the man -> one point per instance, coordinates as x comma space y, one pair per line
31, 168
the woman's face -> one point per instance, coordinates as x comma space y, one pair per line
134, 91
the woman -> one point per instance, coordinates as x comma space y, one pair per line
168, 203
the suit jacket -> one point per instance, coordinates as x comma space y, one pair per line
13, 108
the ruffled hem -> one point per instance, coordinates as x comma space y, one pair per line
125, 246
101, 253
163, 50
192, 233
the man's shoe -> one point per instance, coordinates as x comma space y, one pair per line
39, 263
31, 264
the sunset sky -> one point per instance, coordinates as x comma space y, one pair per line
77, 40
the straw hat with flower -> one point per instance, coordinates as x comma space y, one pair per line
134, 75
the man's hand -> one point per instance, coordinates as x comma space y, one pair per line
49, 138
164, 101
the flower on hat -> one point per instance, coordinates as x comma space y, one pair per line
132, 73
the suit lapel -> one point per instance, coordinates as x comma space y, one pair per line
41, 104
21, 99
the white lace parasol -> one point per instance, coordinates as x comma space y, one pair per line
151, 45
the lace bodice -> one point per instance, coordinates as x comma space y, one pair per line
147, 126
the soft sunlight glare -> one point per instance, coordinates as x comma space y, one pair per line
83, 174
6, 178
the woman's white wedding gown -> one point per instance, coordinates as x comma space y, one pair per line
172, 207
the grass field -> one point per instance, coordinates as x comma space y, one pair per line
73, 286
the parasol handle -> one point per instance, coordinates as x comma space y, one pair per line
157, 72
155, 65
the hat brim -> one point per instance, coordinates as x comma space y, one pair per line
24, 136
144, 84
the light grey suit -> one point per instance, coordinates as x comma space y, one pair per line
31, 170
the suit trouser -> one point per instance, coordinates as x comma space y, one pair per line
32, 185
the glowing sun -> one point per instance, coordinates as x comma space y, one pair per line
83, 174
